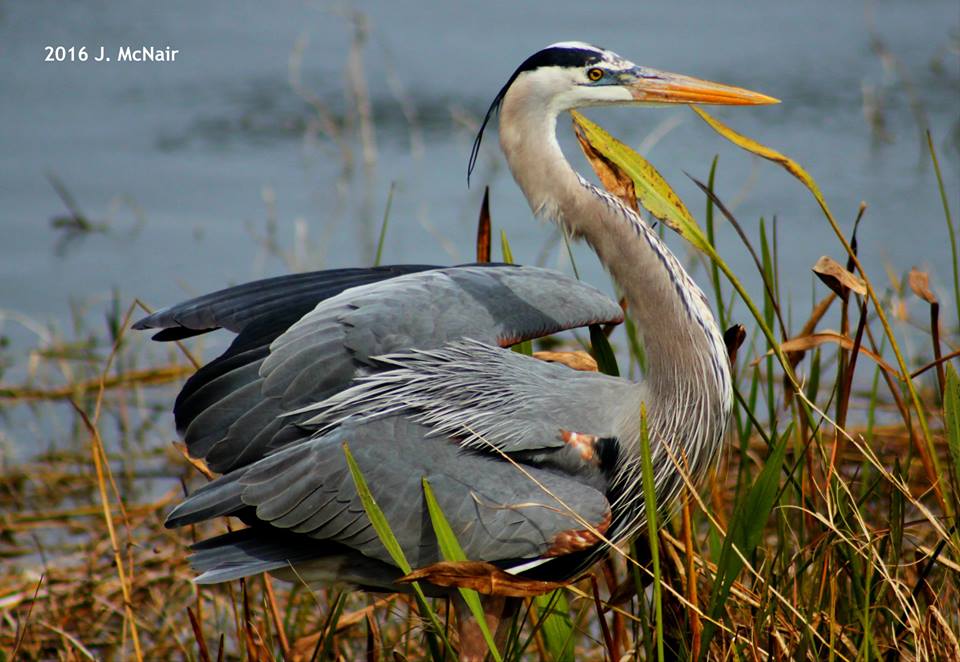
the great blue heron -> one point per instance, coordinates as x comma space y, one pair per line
409, 366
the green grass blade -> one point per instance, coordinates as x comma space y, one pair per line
650, 509
602, 352
555, 624
896, 516
375, 514
573, 262
379, 522
383, 226
745, 531
714, 270
451, 551
950, 229
450, 547
800, 174
525, 347
951, 420
505, 248
636, 347
324, 649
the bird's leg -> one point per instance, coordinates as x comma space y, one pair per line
498, 611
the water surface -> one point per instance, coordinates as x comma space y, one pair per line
188, 166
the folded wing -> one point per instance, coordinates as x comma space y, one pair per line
304, 338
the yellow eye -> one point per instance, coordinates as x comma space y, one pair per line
595, 73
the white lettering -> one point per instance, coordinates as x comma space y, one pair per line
147, 54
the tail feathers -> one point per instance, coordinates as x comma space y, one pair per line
294, 558
247, 552
221, 497
291, 557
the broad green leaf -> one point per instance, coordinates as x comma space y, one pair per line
555, 624
451, 551
651, 189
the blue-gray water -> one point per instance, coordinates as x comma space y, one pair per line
186, 162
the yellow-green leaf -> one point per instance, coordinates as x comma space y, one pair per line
651, 190
754, 147
556, 625
650, 510
376, 516
451, 551
382, 528
505, 248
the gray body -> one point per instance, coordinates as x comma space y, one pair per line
409, 366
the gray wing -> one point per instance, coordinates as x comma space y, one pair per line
485, 397
497, 512
281, 301
232, 412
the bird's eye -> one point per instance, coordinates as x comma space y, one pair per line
595, 73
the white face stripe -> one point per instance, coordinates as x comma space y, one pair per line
578, 45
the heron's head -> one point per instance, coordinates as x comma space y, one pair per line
574, 74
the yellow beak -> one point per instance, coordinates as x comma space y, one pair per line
651, 86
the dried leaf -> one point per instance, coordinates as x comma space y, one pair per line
733, 338
613, 178
810, 325
920, 284
480, 576
578, 360
819, 310
808, 342
483, 228
944, 641
837, 278
197, 463
374, 639
608, 155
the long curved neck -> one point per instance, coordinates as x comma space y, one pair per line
687, 390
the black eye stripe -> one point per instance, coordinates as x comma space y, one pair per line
559, 57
